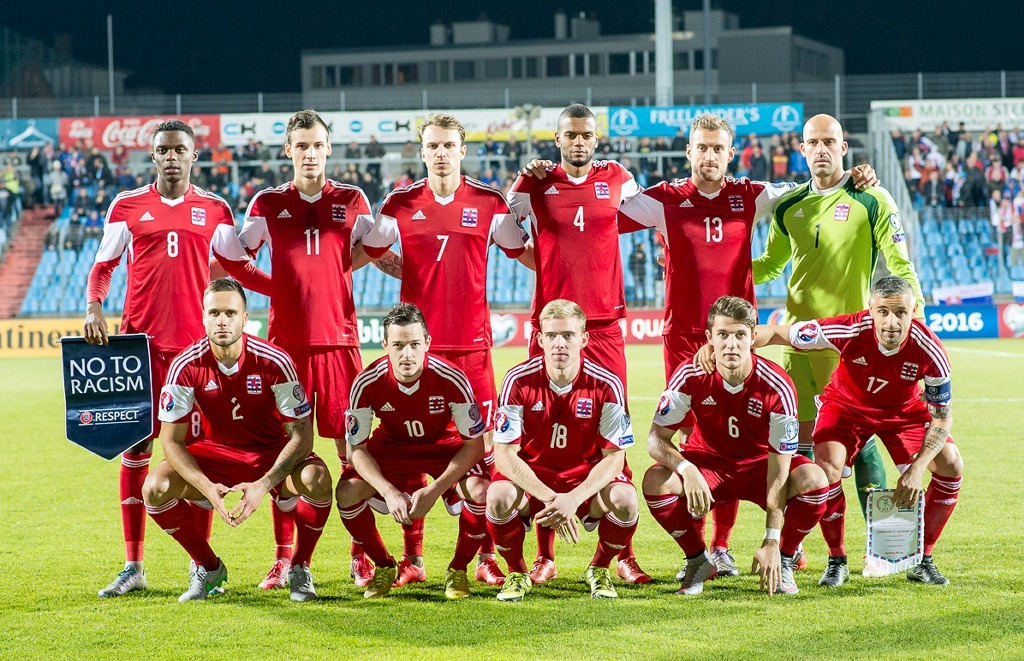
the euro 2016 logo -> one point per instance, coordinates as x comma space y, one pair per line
352, 424
664, 405
808, 332
501, 422
166, 402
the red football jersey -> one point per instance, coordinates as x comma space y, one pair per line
742, 424
437, 409
310, 240
168, 244
574, 225
244, 405
562, 428
708, 243
870, 381
444, 255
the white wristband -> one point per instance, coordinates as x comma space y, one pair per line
682, 465
772, 534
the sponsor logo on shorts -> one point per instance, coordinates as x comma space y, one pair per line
166, 401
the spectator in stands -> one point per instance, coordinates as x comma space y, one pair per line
679, 143
1016, 241
996, 175
758, 170
74, 237
221, 157
374, 149
353, 150
514, 153
604, 148
972, 193
899, 143
940, 139
39, 167
638, 267
410, 156
488, 153
933, 191
797, 164
373, 189
780, 163
102, 201
93, 225
58, 187
119, 158
622, 146
965, 145
12, 182
52, 240
489, 177
266, 176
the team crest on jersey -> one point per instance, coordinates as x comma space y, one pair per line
842, 212
166, 401
664, 405
584, 407
198, 216
808, 332
736, 203
469, 217
436, 404
501, 422
755, 407
254, 384
601, 190
338, 213
909, 371
352, 424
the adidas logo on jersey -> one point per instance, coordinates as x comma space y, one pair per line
860, 361
418, 215
709, 401
539, 406
387, 407
212, 385
551, 191
146, 216
284, 214
799, 213
686, 204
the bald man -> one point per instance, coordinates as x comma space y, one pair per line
833, 233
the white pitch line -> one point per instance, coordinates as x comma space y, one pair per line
987, 352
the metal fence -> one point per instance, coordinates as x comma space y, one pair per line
847, 97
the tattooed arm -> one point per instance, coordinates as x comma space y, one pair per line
298, 448
908, 488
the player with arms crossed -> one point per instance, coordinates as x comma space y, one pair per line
261, 441
743, 447
833, 233
428, 422
883, 353
560, 439
168, 229
313, 227
707, 222
445, 224
572, 210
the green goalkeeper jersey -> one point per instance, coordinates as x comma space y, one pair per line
834, 237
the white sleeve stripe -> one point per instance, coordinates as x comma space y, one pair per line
280, 358
191, 354
216, 198
683, 373
453, 375
779, 385
362, 381
519, 371
258, 195
931, 348
608, 377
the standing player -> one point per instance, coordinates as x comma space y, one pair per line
429, 422
572, 209
743, 447
168, 229
261, 441
561, 432
313, 227
833, 233
883, 353
707, 222
445, 224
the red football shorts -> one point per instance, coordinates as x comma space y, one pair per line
404, 464
479, 369
327, 374
730, 481
230, 465
563, 482
606, 347
901, 432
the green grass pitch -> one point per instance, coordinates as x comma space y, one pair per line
60, 541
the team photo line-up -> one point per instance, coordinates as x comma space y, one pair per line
547, 450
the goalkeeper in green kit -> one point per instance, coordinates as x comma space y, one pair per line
833, 233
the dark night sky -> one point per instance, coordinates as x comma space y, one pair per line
214, 46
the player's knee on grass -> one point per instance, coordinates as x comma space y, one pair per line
312, 480
473, 489
617, 498
659, 480
502, 498
948, 462
831, 458
351, 492
806, 478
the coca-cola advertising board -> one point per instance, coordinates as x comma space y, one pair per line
133, 132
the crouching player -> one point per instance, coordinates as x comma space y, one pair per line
429, 423
261, 441
884, 352
743, 448
559, 441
